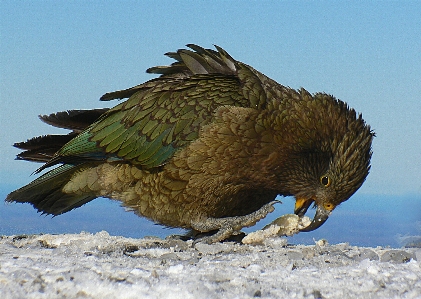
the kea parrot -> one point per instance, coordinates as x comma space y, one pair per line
206, 146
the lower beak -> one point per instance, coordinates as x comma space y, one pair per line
301, 207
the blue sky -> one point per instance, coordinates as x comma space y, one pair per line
59, 55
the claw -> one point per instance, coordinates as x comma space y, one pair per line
229, 225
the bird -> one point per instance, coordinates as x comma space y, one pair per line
207, 145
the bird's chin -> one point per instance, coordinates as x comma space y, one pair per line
320, 217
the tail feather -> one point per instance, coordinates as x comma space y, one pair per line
46, 195
76, 120
42, 148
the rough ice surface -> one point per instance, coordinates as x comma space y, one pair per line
103, 266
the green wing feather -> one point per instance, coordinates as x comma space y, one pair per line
153, 123
166, 113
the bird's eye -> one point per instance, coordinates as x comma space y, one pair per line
325, 180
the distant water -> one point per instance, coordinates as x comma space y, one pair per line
364, 220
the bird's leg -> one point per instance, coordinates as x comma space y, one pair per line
230, 225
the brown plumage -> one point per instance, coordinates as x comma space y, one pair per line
207, 146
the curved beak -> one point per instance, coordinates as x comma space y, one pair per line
301, 207
319, 218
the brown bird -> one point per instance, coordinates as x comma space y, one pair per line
207, 146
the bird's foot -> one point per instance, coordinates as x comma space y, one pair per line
229, 225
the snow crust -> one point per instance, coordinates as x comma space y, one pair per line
103, 266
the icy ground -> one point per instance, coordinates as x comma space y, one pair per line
102, 266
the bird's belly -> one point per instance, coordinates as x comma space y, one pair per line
171, 200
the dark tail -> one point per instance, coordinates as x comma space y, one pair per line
46, 195
42, 148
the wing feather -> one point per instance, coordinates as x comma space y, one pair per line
166, 113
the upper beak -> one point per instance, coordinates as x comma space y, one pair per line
322, 214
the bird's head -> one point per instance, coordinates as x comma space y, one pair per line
332, 164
